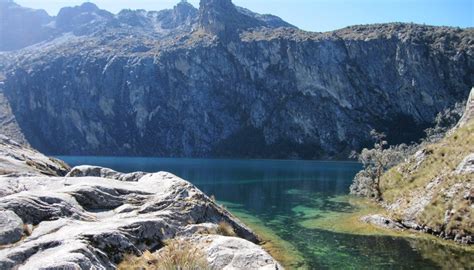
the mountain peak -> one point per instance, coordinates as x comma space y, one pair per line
88, 7
184, 9
70, 18
224, 19
184, 3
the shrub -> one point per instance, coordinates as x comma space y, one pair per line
225, 229
178, 254
376, 162
181, 255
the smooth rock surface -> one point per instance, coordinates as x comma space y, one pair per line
236, 253
96, 171
17, 158
84, 221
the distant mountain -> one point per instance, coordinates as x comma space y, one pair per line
21, 27
222, 81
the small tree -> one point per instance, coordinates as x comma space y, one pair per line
376, 162
381, 157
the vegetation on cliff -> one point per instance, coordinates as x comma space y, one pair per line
432, 189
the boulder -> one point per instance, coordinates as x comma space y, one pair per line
383, 222
11, 227
236, 253
466, 166
96, 171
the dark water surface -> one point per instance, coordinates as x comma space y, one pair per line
300, 202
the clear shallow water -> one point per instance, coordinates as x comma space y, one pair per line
303, 204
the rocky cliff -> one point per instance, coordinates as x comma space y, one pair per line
224, 81
94, 217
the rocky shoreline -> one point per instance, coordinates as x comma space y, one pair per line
392, 224
93, 217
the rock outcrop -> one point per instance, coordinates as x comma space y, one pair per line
15, 158
468, 112
85, 170
466, 166
93, 217
9, 125
222, 81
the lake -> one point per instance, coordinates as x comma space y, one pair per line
302, 209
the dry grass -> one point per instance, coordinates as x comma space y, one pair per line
178, 254
27, 229
442, 158
225, 229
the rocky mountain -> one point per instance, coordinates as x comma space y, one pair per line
223, 81
20, 27
94, 217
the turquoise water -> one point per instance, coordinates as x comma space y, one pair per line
286, 196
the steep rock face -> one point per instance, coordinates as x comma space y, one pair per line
182, 14
94, 217
235, 85
9, 125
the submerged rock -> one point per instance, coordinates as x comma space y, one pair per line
382, 221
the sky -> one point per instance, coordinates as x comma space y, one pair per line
313, 15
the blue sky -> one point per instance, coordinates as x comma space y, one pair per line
314, 15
